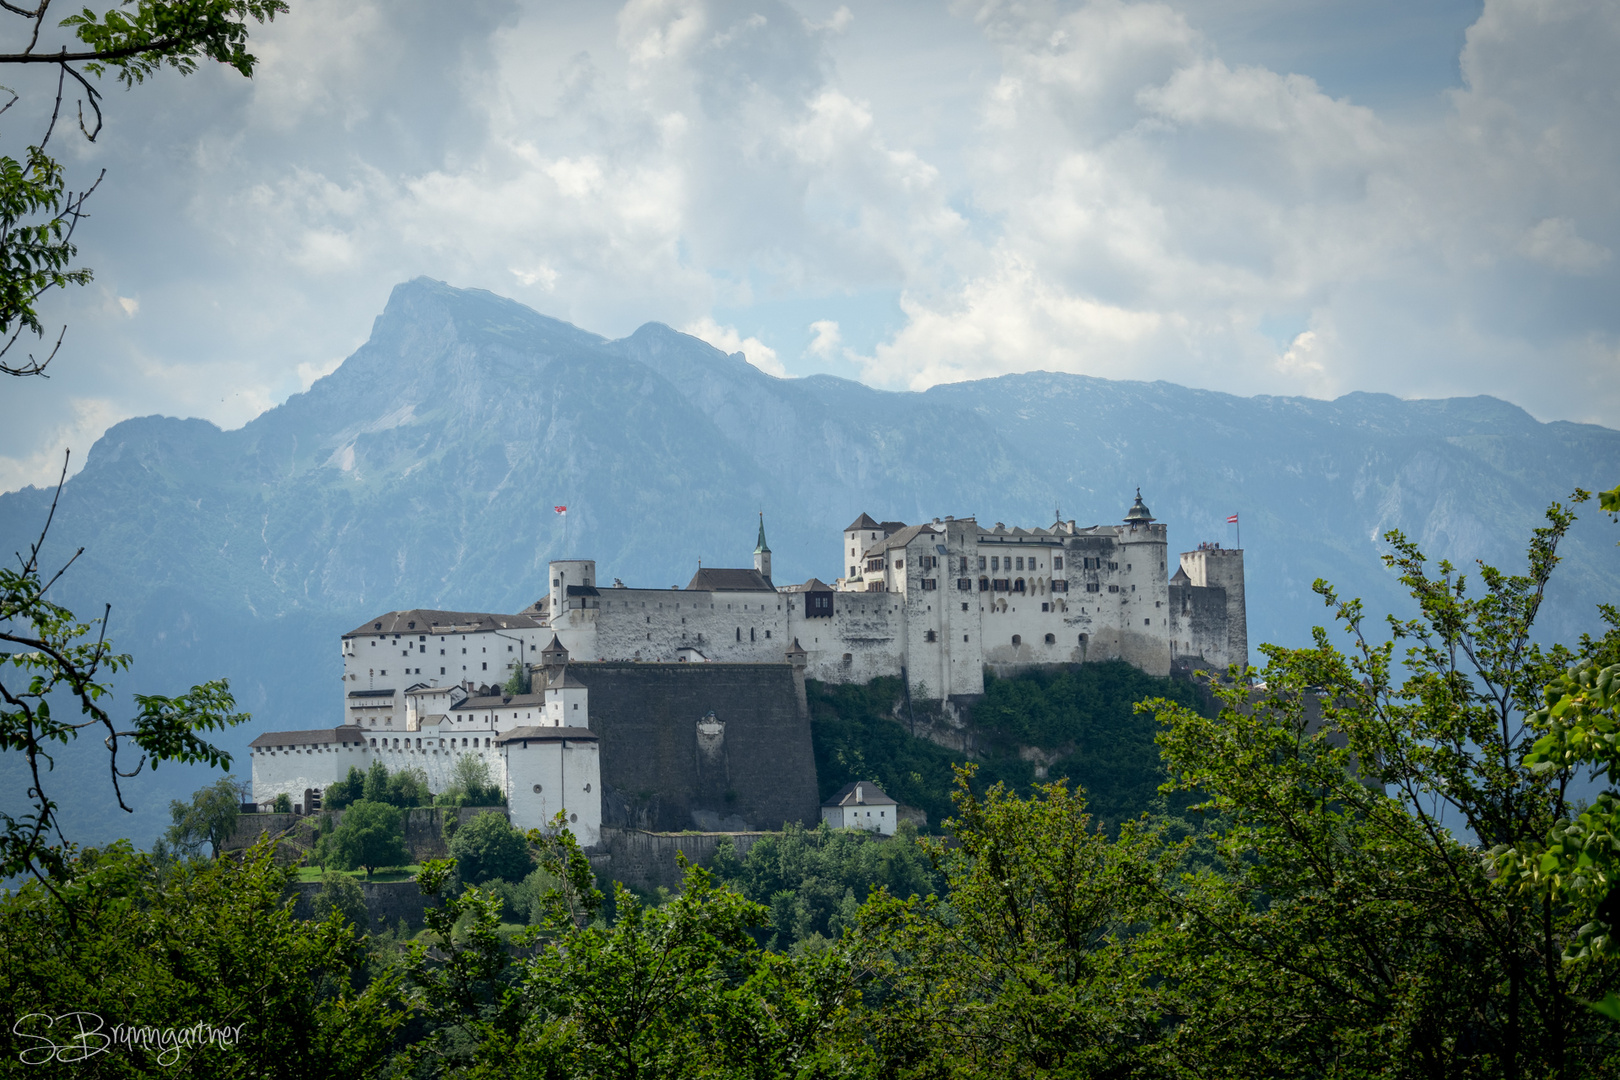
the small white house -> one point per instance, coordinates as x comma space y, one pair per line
861, 805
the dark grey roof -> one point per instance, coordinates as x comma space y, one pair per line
583, 590
715, 579
371, 693
565, 681
529, 733
348, 733
428, 621
813, 585
899, 539
499, 701
862, 522
871, 795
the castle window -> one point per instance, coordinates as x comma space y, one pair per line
849, 658
1020, 562
1092, 586
964, 585
751, 634
739, 633
1147, 622
1059, 585
981, 562
1113, 588
930, 636
1046, 607
899, 564
1051, 639
767, 635
984, 584
995, 562
1017, 640
1018, 586
1057, 562
930, 584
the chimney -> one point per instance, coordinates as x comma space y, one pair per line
860, 795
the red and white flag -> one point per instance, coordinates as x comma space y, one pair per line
1232, 520
564, 510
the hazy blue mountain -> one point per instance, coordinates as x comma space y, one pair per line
424, 470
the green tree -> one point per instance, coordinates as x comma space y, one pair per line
470, 784
342, 894
131, 41
51, 658
518, 681
341, 793
371, 835
813, 879
212, 942
1027, 968
282, 804
1354, 927
679, 990
488, 847
209, 818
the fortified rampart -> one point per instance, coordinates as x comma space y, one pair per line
701, 746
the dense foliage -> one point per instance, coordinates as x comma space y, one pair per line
812, 881
1078, 723
1390, 882
488, 847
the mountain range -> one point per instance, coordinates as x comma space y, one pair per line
423, 472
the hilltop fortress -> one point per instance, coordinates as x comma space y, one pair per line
935, 603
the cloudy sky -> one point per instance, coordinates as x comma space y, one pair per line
1262, 196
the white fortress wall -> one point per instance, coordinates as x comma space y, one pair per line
655, 624
552, 774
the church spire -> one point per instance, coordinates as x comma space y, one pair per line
762, 551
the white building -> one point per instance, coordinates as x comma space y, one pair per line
937, 602
385, 657
538, 748
862, 805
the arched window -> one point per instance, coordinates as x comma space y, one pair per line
1051, 639
1017, 640
984, 584
1018, 586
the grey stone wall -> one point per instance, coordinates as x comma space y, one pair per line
387, 901
646, 860
658, 773
423, 826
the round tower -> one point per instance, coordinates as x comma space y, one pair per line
564, 573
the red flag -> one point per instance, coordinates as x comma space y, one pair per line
1232, 520
564, 509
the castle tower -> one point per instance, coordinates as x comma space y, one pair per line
1223, 568
1139, 514
762, 551
569, 574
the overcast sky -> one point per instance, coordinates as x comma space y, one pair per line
1260, 196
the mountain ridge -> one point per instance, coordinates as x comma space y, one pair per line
422, 472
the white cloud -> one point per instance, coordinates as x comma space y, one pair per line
827, 338
1097, 186
727, 340
1554, 242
